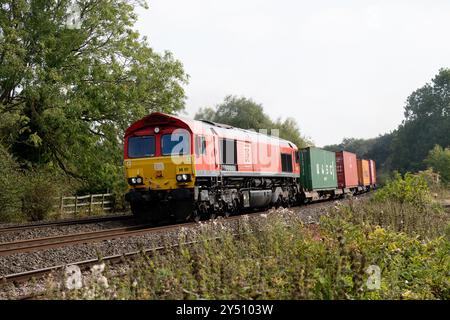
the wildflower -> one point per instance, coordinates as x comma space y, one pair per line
408, 294
89, 294
103, 282
97, 275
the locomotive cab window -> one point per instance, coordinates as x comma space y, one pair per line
200, 145
176, 143
142, 146
286, 162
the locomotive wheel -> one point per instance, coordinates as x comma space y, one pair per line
279, 202
229, 209
196, 216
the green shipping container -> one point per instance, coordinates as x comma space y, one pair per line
317, 169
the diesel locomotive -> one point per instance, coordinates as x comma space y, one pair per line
181, 169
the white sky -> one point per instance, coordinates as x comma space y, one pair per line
340, 68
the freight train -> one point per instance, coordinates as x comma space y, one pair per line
180, 169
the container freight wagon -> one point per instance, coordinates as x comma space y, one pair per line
318, 174
373, 173
347, 171
363, 173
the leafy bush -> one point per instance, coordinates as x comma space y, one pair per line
10, 187
41, 189
439, 159
426, 222
410, 189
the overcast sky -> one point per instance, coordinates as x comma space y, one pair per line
340, 68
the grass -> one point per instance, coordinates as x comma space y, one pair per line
277, 256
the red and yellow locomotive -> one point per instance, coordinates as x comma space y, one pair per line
181, 169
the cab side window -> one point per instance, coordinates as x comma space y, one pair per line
286, 162
200, 145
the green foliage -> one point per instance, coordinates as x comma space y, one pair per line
359, 146
29, 194
428, 222
426, 124
246, 114
279, 257
68, 92
410, 189
40, 191
239, 112
289, 130
10, 187
439, 159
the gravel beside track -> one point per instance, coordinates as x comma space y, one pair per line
56, 230
22, 262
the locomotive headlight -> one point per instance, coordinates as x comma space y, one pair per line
135, 181
183, 177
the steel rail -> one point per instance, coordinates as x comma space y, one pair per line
31, 245
66, 222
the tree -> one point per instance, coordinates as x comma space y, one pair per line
359, 146
238, 112
241, 112
427, 122
73, 76
289, 130
439, 159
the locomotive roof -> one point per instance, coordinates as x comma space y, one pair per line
198, 126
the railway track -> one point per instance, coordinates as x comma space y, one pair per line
84, 265
30, 245
67, 222
45, 243
60, 241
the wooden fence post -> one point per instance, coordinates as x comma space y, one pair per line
61, 206
90, 204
